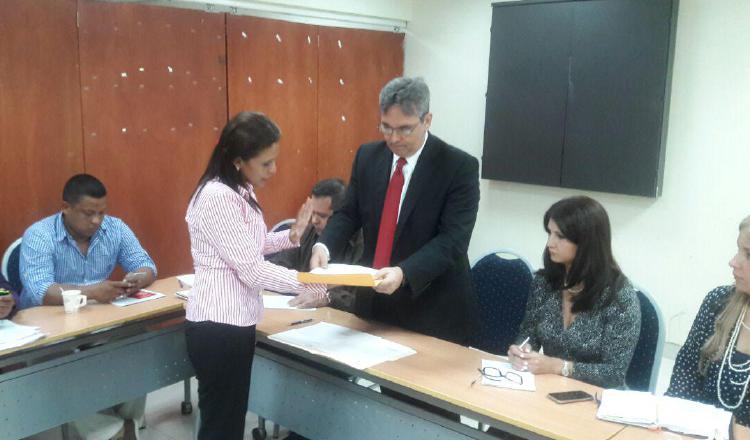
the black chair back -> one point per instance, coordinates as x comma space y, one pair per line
643, 369
501, 287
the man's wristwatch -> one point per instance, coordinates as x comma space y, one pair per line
566, 370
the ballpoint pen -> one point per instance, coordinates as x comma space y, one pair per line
301, 321
525, 341
520, 347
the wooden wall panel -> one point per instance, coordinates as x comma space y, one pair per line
273, 69
40, 110
354, 65
154, 99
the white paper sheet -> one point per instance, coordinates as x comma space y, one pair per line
344, 269
529, 384
15, 335
357, 349
679, 415
280, 302
186, 280
138, 297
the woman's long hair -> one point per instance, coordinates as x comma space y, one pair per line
245, 136
713, 349
584, 222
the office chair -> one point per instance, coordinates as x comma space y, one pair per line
643, 370
11, 265
283, 225
501, 281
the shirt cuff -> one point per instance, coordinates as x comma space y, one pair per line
324, 247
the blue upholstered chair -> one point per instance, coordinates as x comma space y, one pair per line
501, 282
283, 225
11, 265
644, 367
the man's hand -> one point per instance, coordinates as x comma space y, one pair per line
300, 224
135, 281
309, 300
106, 291
319, 257
390, 279
6, 305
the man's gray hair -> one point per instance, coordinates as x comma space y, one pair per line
411, 94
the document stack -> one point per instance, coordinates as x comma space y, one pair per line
15, 335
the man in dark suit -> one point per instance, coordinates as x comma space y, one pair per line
416, 199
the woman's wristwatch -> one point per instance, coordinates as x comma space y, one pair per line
567, 369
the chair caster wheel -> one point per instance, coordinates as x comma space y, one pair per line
186, 408
257, 435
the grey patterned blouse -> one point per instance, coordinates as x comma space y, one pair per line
600, 341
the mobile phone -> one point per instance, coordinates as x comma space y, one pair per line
570, 396
130, 277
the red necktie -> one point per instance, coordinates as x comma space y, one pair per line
389, 217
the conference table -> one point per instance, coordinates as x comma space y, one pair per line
316, 397
104, 355
96, 358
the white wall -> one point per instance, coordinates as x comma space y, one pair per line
676, 246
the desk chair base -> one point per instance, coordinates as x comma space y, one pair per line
260, 432
187, 405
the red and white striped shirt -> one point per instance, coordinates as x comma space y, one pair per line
228, 239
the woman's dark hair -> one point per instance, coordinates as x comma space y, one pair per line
245, 136
584, 222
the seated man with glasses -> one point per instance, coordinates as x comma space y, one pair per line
327, 198
416, 199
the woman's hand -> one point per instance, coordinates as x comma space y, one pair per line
532, 361
300, 224
516, 357
314, 296
6, 305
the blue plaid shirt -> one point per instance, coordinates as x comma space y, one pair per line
49, 255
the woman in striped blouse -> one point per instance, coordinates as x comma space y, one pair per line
228, 239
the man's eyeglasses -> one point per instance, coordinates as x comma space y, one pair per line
400, 131
493, 373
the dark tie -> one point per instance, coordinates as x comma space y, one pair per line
389, 218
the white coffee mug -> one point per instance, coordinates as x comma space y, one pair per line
73, 300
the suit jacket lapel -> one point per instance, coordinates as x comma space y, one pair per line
382, 167
420, 179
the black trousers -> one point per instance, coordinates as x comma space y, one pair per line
222, 357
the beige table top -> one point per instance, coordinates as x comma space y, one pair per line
445, 371
57, 325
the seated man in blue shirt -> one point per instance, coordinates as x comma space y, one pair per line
79, 247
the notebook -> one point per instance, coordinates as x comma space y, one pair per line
678, 415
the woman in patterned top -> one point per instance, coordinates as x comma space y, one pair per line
714, 364
581, 308
228, 238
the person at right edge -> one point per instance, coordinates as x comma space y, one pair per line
416, 199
